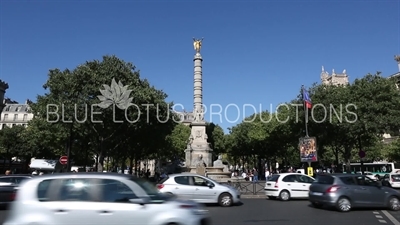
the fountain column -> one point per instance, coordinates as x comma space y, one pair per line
198, 144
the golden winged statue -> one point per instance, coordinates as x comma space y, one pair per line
197, 44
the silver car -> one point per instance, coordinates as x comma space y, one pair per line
347, 191
101, 199
199, 188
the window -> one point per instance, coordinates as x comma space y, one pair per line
348, 180
184, 180
273, 178
304, 179
19, 108
25, 117
116, 191
6, 180
396, 178
290, 178
325, 179
15, 117
7, 108
198, 181
364, 181
75, 190
43, 189
5, 117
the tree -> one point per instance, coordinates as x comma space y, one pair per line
178, 140
107, 104
216, 137
12, 143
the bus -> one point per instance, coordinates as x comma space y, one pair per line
375, 167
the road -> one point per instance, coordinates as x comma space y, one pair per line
295, 212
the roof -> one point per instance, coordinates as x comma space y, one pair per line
44, 164
87, 175
10, 108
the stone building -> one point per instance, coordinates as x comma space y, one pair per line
15, 114
334, 78
186, 118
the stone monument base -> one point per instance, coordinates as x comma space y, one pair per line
215, 173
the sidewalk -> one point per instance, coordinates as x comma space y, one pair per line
253, 196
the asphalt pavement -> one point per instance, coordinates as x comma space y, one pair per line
295, 212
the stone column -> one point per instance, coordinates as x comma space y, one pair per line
198, 83
3, 88
397, 58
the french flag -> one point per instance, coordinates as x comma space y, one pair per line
307, 99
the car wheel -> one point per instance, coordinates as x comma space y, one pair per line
225, 200
284, 195
343, 204
394, 203
316, 205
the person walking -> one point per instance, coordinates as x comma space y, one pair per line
255, 175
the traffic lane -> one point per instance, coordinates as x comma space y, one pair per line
294, 212
391, 215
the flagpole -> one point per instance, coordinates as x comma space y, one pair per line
305, 110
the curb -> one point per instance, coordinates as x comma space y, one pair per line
252, 196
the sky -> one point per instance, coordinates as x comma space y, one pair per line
255, 53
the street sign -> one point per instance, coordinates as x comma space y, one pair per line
63, 160
361, 153
310, 171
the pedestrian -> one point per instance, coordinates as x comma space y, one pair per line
8, 172
267, 174
255, 175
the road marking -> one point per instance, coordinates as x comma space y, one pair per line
379, 217
390, 217
375, 212
382, 221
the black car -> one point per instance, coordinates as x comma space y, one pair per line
8, 187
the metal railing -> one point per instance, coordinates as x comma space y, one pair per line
247, 187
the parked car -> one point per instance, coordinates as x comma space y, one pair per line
288, 185
391, 180
101, 199
9, 186
199, 188
347, 191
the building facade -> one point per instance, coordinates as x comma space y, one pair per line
334, 78
14, 114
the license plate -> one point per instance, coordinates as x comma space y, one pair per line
317, 193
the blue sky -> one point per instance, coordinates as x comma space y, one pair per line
255, 52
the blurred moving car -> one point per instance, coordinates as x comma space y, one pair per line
8, 187
391, 180
347, 191
288, 185
368, 174
101, 199
199, 188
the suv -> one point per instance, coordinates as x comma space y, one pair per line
347, 191
101, 199
199, 188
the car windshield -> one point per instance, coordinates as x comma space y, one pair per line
151, 191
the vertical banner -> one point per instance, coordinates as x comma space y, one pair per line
308, 149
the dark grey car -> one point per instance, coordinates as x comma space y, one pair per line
347, 191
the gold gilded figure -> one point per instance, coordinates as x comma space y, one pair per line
197, 44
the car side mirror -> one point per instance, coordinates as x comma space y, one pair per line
210, 185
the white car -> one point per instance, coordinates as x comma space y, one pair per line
101, 199
369, 175
288, 185
393, 179
198, 188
